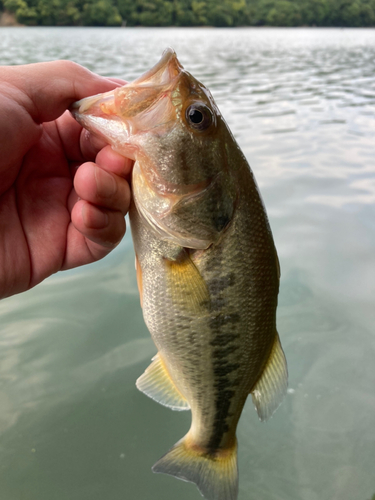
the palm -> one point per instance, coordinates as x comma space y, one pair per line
37, 212
38, 208
42, 188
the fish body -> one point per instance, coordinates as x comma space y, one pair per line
207, 268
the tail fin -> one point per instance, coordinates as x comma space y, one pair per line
216, 476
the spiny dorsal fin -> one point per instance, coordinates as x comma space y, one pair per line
271, 387
158, 385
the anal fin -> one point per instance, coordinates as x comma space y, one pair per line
272, 385
157, 384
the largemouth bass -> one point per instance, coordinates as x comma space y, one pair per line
207, 268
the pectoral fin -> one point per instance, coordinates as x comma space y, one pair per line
271, 387
158, 385
187, 287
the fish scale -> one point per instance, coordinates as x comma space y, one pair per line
207, 268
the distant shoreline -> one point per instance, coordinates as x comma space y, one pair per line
189, 13
9, 20
18, 25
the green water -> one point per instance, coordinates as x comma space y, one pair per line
72, 424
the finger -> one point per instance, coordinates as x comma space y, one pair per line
79, 145
113, 162
117, 80
101, 187
93, 145
49, 88
73, 198
101, 226
90, 145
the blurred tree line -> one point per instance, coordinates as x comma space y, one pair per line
192, 12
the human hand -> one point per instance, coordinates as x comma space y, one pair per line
53, 216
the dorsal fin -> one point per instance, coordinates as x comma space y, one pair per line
157, 384
271, 387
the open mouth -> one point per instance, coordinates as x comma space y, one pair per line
134, 108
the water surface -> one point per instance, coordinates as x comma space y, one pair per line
301, 105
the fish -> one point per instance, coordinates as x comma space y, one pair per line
206, 264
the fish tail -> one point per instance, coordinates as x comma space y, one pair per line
215, 474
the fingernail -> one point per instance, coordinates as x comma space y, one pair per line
94, 218
105, 183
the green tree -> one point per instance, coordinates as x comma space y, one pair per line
284, 13
71, 16
241, 13
220, 16
314, 12
156, 13
100, 13
368, 13
13, 5
199, 9
48, 11
148, 12
24, 14
126, 10
183, 13
193, 12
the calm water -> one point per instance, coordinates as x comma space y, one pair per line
72, 424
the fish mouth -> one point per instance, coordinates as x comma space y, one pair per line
146, 103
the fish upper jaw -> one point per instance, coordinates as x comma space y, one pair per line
163, 72
121, 115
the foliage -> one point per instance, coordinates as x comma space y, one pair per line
193, 12
65, 12
100, 13
12, 5
57, 13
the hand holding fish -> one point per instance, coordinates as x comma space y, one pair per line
54, 216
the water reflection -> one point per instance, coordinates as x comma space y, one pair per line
301, 104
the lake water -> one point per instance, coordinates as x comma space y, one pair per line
72, 424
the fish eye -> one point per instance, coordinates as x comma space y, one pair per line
199, 116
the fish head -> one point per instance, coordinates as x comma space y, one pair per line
168, 122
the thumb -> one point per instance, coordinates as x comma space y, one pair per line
48, 89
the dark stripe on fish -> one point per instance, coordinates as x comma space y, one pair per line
221, 320
224, 334
223, 396
223, 343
